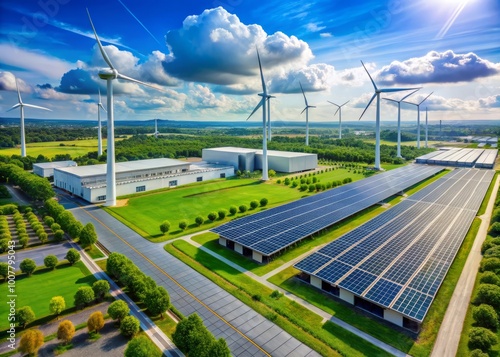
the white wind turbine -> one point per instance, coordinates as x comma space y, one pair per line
262, 104
426, 127
156, 128
99, 125
339, 109
269, 116
418, 117
398, 154
306, 109
21, 105
110, 74
377, 119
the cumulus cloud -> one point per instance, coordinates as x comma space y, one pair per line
438, 67
314, 78
46, 91
490, 102
216, 47
8, 82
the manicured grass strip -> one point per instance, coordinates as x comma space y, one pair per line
289, 315
430, 327
94, 252
37, 290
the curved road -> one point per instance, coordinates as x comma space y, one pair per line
246, 332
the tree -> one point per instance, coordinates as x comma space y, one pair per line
24, 316
481, 338
28, 266
254, 204
49, 221
243, 208
118, 310
141, 346
75, 228
100, 287
489, 277
233, 209
83, 296
4, 270
485, 316
57, 305
157, 301
50, 261
55, 227
478, 353
222, 213
164, 226
130, 326
95, 322
88, 236
30, 342
263, 202
199, 220
65, 331
187, 334
219, 348
212, 216
115, 264
312, 187
495, 229
490, 264
488, 294
183, 224
59, 235
72, 256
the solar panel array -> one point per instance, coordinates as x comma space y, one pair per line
270, 231
480, 158
399, 259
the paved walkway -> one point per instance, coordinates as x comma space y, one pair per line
246, 332
39, 253
18, 196
448, 338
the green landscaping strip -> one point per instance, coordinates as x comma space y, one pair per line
289, 315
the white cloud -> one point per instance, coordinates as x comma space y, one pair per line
8, 82
325, 34
313, 27
315, 77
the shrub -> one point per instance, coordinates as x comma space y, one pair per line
312, 187
485, 316
199, 220
141, 346
118, 310
263, 202
254, 204
59, 235
24, 316
492, 252
23, 241
303, 187
164, 226
30, 342
55, 227
287, 181
183, 224
478, 353
28, 266
233, 210
276, 294
84, 296
222, 213
243, 208
129, 326
294, 184
212, 216
95, 322
49, 221
257, 297
65, 331
278, 181
490, 264
481, 338
72, 256
50, 261
57, 305
495, 229
489, 277
43, 237
488, 294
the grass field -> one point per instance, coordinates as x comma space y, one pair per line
145, 213
37, 290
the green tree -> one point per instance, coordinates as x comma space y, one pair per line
222, 214
254, 204
115, 264
24, 316
84, 296
490, 264
312, 187
48, 220
72, 256
57, 305
192, 337
199, 220
141, 346
118, 309
157, 301
95, 322
263, 202
129, 326
183, 224
75, 228
219, 348
55, 227
232, 210
23, 240
489, 277
27, 266
488, 294
164, 226
243, 208
212, 216
88, 236
30, 342
50, 261
65, 331
101, 288
59, 235
478, 353
481, 338
485, 316
4, 270
495, 229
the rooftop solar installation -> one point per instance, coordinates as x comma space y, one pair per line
272, 230
399, 259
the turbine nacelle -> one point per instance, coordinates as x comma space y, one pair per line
108, 73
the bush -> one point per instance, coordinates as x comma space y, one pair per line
212, 216
276, 294
222, 214
489, 277
72, 256
488, 294
303, 187
118, 310
199, 220
24, 316
495, 229
295, 184
50, 261
183, 224
43, 237
95, 322
312, 187
254, 204
55, 227
49, 221
287, 181
233, 210
263, 202
481, 338
23, 241
101, 288
57, 305
243, 208
141, 346
84, 296
478, 353
59, 235
130, 326
27, 266
489, 264
66, 331
30, 342
485, 316
164, 226
492, 252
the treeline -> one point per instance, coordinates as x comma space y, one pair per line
11, 136
37, 188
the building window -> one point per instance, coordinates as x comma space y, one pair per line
140, 189
101, 198
223, 175
199, 179
172, 183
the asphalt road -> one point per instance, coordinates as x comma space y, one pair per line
40, 252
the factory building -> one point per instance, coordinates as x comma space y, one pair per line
46, 169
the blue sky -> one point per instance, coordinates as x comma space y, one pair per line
202, 53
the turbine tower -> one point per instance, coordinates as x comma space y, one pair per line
377, 118
306, 109
110, 74
426, 127
156, 128
269, 116
262, 103
339, 109
99, 125
399, 120
21, 105
418, 118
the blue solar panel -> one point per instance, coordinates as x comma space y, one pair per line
357, 281
333, 272
413, 304
383, 292
312, 262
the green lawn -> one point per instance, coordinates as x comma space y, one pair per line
37, 290
144, 213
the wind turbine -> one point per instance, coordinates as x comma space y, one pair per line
156, 128
418, 118
339, 109
269, 116
21, 105
426, 127
262, 104
110, 74
99, 128
399, 120
306, 109
377, 119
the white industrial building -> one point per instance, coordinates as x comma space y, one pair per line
89, 182
46, 169
251, 159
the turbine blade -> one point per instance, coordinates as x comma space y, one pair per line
404, 101
406, 96
311, 106
344, 103
261, 74
425, 98
370, 102
303, 110
35, 106
103, 53
392, 100
256, 108
333, 103
14, 107
101, 106
130, 79
18, 92
99, 91
336, 111
305, 99
371, 79
388, 90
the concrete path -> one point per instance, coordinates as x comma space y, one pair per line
246, 332
18, 196
448, 338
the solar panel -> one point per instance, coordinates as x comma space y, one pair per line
399, 259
